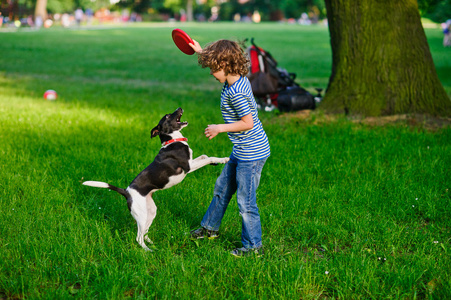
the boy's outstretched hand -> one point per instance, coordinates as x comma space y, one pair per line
196, 46
246, 123
212, 130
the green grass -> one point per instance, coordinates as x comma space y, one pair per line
348, 211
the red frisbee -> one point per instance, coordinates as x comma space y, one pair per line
182, 41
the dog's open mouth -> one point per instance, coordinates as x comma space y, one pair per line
178, 119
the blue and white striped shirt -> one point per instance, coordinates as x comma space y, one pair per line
238, 101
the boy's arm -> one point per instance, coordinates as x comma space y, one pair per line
246, 123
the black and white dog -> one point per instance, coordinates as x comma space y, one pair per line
169, 168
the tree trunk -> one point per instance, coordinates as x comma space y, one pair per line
381, 62
41, 10
189, 11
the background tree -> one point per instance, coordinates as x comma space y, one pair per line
41, 9
187, 6
271, 10
437, 10
381, 62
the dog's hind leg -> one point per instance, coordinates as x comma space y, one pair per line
151, 213
139, 212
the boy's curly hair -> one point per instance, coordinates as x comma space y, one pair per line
226, 55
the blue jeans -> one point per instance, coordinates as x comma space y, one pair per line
242, 177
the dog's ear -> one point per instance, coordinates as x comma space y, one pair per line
155, 131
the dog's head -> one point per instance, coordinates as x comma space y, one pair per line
169, 124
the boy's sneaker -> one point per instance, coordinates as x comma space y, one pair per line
202, 232
243, 252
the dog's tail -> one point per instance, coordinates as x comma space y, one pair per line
105, 185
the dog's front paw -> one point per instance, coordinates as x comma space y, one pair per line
224, 160
216, 161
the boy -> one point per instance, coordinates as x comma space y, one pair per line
229, 65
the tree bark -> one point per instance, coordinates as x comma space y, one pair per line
381, 62
189, 11
41, 10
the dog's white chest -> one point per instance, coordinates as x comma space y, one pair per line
175, 179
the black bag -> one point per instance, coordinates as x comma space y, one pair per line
295, 98
263, 83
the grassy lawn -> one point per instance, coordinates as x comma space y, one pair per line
349, 211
